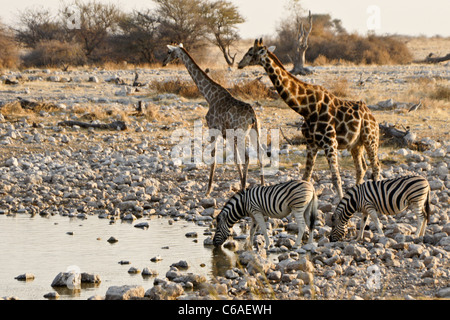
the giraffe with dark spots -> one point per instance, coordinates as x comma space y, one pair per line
331, 123
225, 113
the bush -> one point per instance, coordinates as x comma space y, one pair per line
359, 50
186, 89
9, 54
55, 53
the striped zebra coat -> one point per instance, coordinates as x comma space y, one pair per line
390, 196
276, 201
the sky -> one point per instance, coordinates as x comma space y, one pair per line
406, 17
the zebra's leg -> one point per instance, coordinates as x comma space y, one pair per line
421, 221
374, 216
213, 166
299, 218
362, 225
259, 218
311, 154
252, 234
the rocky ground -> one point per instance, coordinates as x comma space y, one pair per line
48, 168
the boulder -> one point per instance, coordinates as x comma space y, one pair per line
126, 292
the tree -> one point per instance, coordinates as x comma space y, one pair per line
98, 20
221, 19
139, 36
37, 25
301, 46
181, 21
9, 53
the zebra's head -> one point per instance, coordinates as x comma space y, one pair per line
222, 229
230, 214
338, 229
344, 211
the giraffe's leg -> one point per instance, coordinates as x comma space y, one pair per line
311, 154
331, 154
358, 160
245, 170
371, 146
213, 166
237, 161
259, 151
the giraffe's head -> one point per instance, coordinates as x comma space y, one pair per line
172, 54
255, 54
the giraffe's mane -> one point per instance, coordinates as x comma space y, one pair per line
295, 79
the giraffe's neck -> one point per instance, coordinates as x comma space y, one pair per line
297, 94
207, 87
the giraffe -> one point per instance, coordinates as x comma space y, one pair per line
225, 113
330, 123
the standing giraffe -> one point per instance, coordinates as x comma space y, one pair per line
225, 113
330, 123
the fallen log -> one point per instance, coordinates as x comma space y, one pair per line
392, 135
116, 125
432, 59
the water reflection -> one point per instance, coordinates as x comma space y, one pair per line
46, 246
222, 260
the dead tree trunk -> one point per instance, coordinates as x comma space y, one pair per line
391, 135
116, 125
300, 48
432, 59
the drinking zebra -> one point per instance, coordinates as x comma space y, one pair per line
277, 201
388, 197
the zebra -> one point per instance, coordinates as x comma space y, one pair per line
277, 201
390, 196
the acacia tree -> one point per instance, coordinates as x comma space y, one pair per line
139, 36
181, 21
37, 25
97, 22
222, 18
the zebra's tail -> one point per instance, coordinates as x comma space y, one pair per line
311, 211
427, 206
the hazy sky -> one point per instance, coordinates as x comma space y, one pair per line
412, 17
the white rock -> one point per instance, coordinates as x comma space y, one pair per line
126, 292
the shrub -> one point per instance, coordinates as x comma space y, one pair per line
180, 87
254, 89
9, 54
55, 53
359, 50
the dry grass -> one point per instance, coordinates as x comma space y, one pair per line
183, 88
340, 87
253, 89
